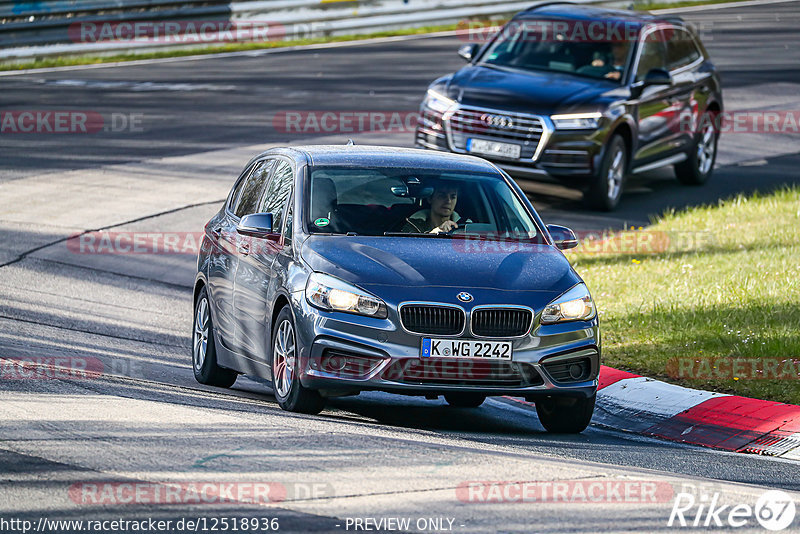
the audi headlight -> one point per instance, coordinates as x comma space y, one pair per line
576, 121
437, 102
332, 294
574, 305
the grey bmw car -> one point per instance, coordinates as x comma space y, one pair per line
332, 270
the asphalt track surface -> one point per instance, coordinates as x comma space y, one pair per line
146, 419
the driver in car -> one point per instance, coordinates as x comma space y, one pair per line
614, 64
441, 217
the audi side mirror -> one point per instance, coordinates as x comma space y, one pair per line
657, 77
563, 237
468, 51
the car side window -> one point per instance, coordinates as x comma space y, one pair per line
279, 189
237, 191
681, 49
653, 55
251, 192
287, 230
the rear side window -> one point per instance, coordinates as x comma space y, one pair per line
253, 187
280, 187
681, 49
653, 55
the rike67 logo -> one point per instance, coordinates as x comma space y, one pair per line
775, 510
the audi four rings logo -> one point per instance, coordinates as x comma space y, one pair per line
497, 121
464, 297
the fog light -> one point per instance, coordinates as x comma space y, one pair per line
346, 364
336, 363
575, 370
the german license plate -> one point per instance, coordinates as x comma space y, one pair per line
465, 348
493, 148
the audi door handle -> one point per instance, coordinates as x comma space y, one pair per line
244, 250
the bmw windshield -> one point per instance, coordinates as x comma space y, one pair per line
406, 202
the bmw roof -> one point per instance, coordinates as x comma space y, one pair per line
381, 156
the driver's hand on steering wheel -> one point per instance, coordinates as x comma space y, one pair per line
446, 226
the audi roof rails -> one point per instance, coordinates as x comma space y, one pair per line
544, 4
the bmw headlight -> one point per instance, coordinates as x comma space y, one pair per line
576, 121
332, 294
574, 305
436, 101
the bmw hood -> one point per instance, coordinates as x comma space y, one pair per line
416, 265
526, 91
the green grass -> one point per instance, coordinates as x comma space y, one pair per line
726, 287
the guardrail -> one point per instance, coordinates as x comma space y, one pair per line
31, 29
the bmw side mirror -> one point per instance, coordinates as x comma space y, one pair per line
657, 77
468, 51
256, 225
563, 237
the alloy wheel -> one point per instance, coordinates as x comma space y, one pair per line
616, 172
284, 361
200, 334
706, 148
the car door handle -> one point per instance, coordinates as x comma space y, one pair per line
244, 249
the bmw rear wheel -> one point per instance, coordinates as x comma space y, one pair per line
204, 348
291, 395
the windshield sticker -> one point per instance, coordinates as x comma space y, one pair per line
322, 221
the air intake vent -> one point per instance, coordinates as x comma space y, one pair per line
432, 319
501, 322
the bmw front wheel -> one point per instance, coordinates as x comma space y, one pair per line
291, 395
565, 415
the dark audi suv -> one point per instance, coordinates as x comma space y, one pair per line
334, 270
585, 95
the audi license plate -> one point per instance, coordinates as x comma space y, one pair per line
493, 148
465, 348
